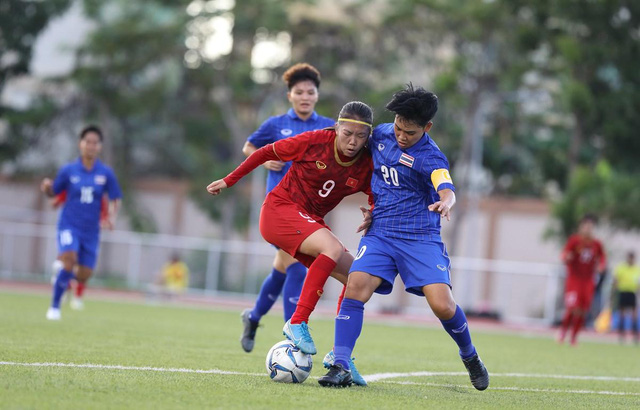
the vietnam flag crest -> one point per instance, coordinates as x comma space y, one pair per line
351, 182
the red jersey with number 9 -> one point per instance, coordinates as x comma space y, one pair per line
320, 176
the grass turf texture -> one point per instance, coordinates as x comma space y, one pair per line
129, 334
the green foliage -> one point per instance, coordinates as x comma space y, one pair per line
20, 23
603, 191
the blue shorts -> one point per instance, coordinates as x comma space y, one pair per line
418, 263
84, 244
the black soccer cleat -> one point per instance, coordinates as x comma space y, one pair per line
336, 377
249, 332
477, 372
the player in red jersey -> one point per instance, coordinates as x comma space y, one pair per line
584, 256
57, 201
328, 165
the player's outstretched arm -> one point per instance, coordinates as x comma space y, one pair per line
215, 187
272, 165
444, 205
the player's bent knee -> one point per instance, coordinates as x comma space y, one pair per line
443, 310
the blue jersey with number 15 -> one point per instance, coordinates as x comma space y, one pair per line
404, 184
84, 194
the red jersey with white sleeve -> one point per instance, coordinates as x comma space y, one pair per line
320, 176
584, 257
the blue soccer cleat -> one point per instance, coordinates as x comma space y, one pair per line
300, 336
329, 360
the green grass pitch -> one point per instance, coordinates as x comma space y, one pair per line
528, 371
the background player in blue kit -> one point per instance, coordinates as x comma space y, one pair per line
85, 181
302, 81
412, 191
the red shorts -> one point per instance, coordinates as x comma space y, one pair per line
578, 293
286, 225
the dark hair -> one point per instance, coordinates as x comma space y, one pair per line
589, 217
91, 128
301, 72
357, 110
415, 105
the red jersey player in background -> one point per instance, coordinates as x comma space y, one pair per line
76, 302
584, 256
328, 165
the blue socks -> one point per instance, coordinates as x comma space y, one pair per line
348, 328
62, 282
269, 292
458, 329
296, 273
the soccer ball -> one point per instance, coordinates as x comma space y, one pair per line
287, 364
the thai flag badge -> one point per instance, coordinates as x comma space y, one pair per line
406, 160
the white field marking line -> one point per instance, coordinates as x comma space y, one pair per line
383, 376
141, 368
524, 389
225, 372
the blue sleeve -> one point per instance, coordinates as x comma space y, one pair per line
62, 180
113, 189
263, 135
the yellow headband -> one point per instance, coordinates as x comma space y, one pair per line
356, 121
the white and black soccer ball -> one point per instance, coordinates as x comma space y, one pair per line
287, 364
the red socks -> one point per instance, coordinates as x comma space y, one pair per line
80, 289
319, 272
578, 321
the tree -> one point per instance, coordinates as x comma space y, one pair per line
20, 24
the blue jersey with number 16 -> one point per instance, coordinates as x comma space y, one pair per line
84, 194
404, 184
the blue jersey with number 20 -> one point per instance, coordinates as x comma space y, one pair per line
404, 184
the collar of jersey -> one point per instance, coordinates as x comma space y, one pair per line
337, 156
79, 164
291, 113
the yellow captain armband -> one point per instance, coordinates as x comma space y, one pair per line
440, 176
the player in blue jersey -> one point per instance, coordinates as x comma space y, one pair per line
85, 181
412, 191
287, 275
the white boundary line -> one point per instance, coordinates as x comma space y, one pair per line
373, 377
526, 389
383, 376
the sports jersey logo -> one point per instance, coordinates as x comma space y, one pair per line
442, 267
74, 179
321, 165
380, 147
361, 252
286, 132
100, 179
351, 182
406, 160
460, 329
343, 317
